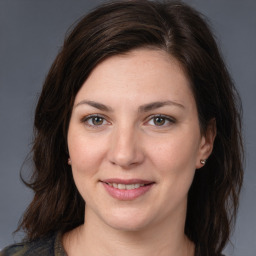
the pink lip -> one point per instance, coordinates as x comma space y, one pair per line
127, 195
127, 182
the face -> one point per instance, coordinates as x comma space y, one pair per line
134, 141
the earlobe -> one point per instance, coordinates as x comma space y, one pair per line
203, 161
207, 143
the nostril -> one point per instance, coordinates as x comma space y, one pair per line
124, 150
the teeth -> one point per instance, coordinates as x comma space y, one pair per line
121, 186
124, 186
138, 185
130, 186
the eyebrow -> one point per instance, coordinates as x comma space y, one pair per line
144, 108
158, 104
95, 105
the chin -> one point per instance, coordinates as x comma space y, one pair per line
127, 221
127, 226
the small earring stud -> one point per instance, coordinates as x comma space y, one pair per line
69, 161
203, 162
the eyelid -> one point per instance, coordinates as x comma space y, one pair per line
86, 118
170, 119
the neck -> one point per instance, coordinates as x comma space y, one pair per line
96, 238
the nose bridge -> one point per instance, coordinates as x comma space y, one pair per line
125, 147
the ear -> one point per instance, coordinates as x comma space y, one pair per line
206, 144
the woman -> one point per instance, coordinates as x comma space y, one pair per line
139, 119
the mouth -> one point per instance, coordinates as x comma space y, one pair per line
127, 189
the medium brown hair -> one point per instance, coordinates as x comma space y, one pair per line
116, 28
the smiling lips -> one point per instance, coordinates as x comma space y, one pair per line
127, 189
124, 186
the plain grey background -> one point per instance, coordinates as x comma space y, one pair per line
31, 33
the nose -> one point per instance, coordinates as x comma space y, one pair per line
126, 148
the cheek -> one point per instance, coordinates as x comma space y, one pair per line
85, 154
175, 159
176, 152
86, 159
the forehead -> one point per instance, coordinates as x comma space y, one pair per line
147, 72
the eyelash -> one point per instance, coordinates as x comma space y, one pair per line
165, 118
169, 119
91, 117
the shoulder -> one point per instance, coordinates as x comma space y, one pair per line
14, 250
48, 246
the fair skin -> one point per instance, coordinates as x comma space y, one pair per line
135, 121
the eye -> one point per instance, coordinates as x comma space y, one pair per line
161, 120
94, 121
